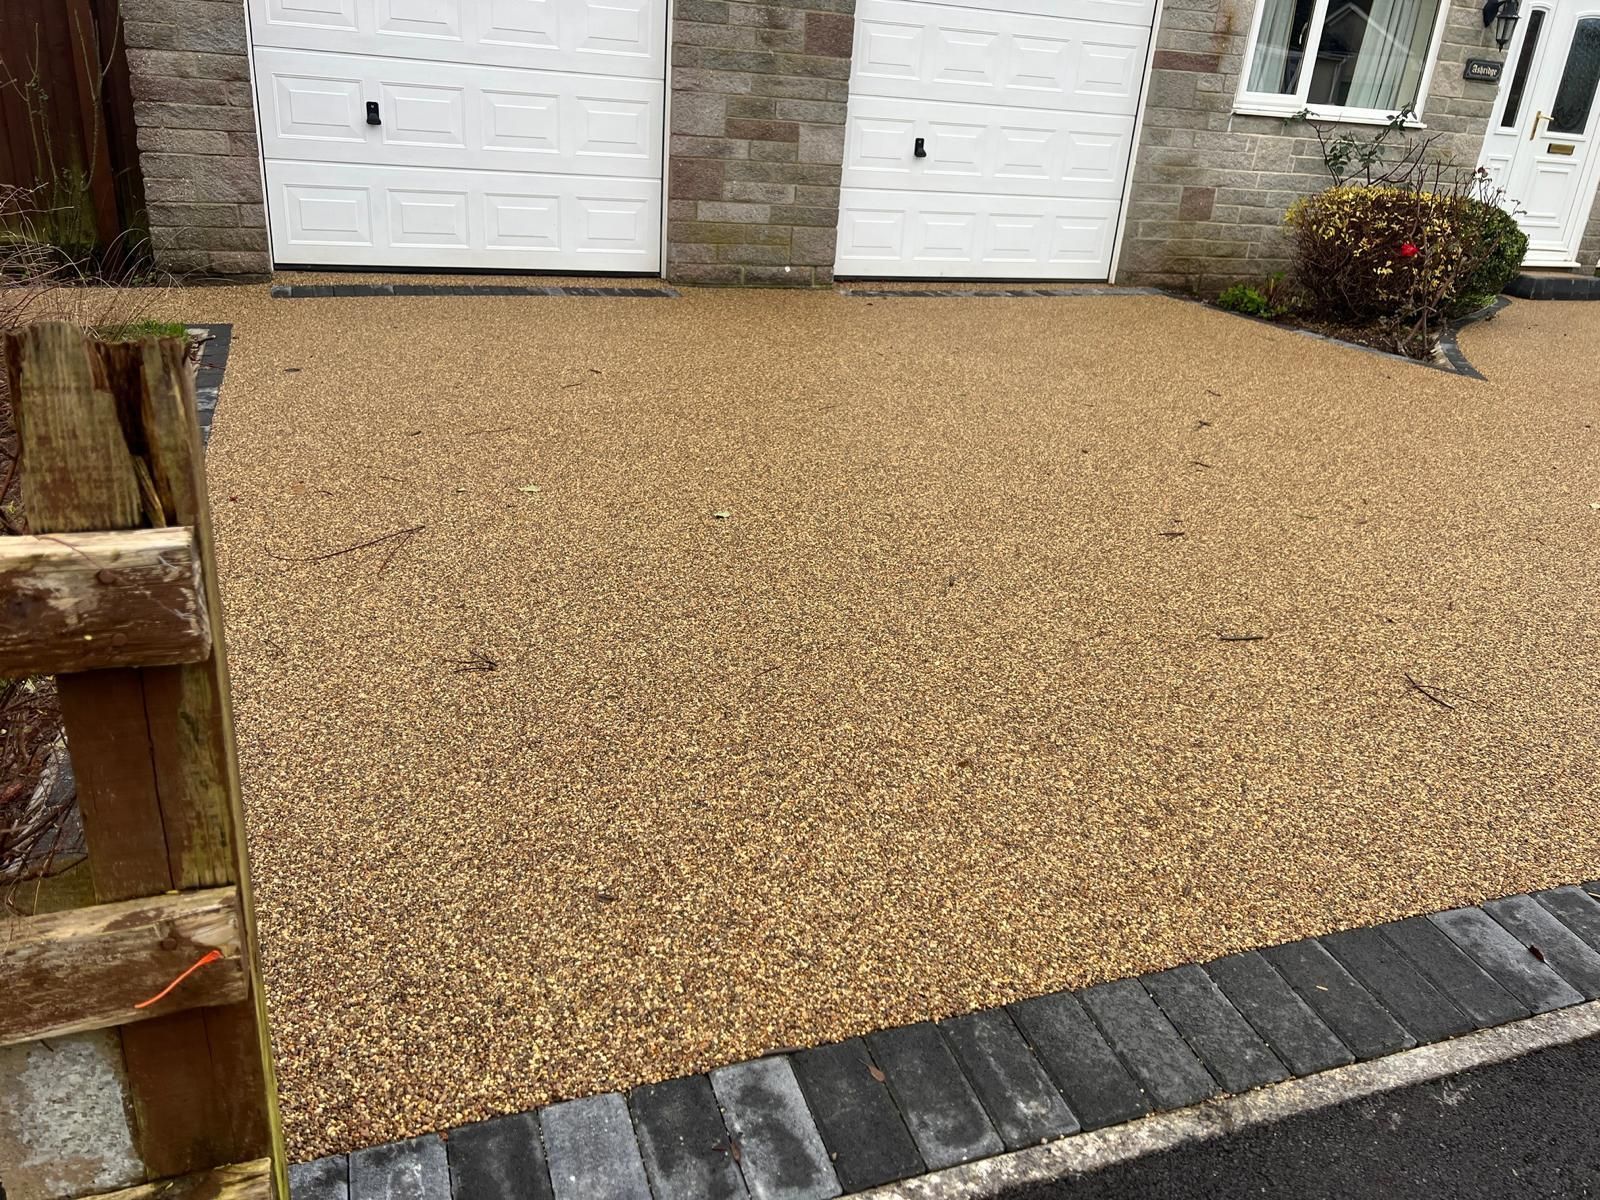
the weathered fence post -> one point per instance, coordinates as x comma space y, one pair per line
109, 443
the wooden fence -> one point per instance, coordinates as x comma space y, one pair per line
66, 122
115, 591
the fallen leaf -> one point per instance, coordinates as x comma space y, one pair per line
734, 1152
530, 488
722, 514
876, 1074
1537, 953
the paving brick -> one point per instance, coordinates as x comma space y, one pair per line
1013, 1085
324, 1179
499, 1159
415, 1169
590, 1146
1472, 989
1145, 1040
1227, 1044
684, 1142
946, 1120
1536, 926
1399, 985
1349, 1009
1512, 964
1295, 1034
781, 1152
1096, 1084
860, 1123
1577, 910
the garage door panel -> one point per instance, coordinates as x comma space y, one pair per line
610, 37
412, 217
444, 115
978, 148
921, 51
989, 237
1115, 12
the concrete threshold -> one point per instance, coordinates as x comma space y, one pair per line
1032, 1172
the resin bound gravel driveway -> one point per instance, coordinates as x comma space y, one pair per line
858, 662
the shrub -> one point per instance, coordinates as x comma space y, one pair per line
1505, 245
1242, 298
1271, 300
1403, 258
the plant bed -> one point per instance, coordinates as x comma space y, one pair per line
1396, 253
1446, 354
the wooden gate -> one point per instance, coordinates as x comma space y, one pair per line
115, 592
67, 131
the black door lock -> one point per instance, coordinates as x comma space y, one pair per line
372, 113
918, 150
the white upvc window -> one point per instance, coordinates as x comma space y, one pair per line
1341, 60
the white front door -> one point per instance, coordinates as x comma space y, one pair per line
518, 134
1543, 144
989, 139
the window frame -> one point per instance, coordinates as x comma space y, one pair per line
1273, 104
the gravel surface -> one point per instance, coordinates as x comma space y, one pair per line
857, 662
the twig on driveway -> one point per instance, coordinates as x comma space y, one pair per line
1430, 693
479, 661
311, 558
1241, 637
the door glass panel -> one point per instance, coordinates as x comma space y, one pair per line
1519, 77
1575, 96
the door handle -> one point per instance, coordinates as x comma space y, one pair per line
919, 149
1537, 117
372, 113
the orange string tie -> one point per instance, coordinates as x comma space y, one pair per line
210, 956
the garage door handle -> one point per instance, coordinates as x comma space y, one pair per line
918, 150
372, 113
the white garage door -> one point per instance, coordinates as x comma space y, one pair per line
1024, 110
516, 134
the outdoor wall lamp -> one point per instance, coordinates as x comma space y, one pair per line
1502, 14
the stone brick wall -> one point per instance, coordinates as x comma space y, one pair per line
757, 139
190, 69
1210, 188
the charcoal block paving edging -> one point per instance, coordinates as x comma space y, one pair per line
853, 1115
1554, 287
325, 291
995, 293
217, 342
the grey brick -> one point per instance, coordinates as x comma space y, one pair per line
781, 1152
1145, 1040
1214, 1029
1334, 995
1507, 959
415, 1169
1288, 1026
683, 1141
590, 1146
942, 1111
699, 113
814, 245
1577, 909
861, 1126
1536, 926
822, 143
1015, 1088
324, 1179
1473, 990
1399, 985
499, 1159
1093, 1079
